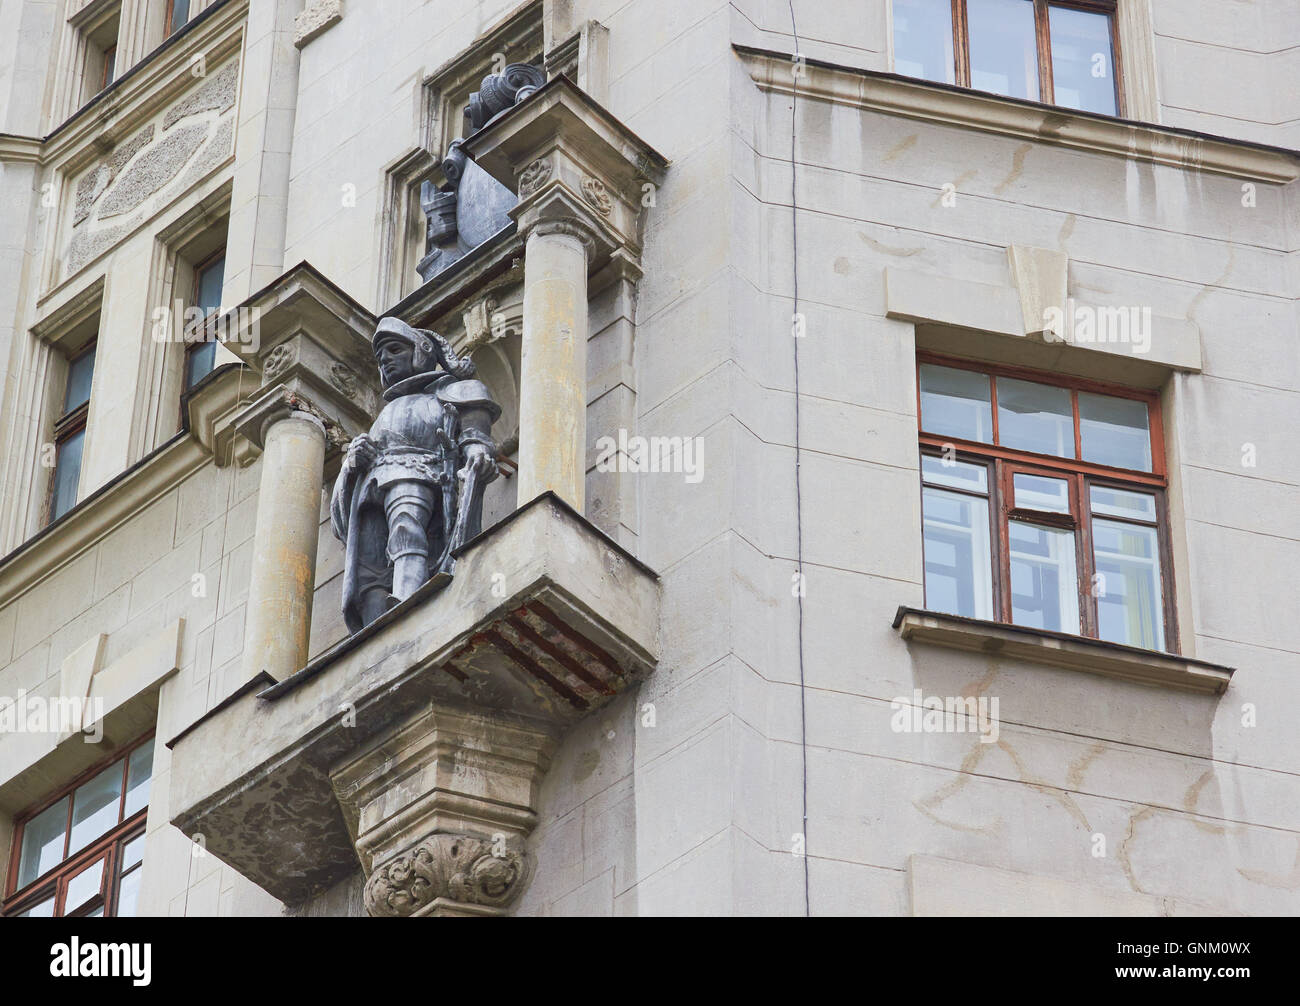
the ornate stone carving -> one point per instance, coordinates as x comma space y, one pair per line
533, 176
470, 871
277, 361
410, 491
343, 379
593, 190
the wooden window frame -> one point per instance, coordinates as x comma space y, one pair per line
66, 426
191, 347
168, 27
108, 846
1003, 463
110, 63
1043, 41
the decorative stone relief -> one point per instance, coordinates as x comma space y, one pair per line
317, 17
277, 362
343, 379
217, 92
93, 183
533, 176
473, 872
593, 190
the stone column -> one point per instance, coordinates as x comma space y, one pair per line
553, 365
277, 623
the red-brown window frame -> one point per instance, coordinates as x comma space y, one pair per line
1043, 39
66, 426
168, 27
1003, 462
192, 347
108, 846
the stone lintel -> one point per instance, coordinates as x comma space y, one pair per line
455, 680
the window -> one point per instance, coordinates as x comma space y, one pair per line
1043, 502
200, 357
1062, 53
100, 42
178, 15
70, 434
82, 853
110, 66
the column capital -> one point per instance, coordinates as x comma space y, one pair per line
572, 164
308, 338
278, 403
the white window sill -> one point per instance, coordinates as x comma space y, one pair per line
1148, 667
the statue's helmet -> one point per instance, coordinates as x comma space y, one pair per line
429, 349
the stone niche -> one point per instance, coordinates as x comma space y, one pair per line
416, 747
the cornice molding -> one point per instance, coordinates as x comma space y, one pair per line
917, 99
109, 506
16, 149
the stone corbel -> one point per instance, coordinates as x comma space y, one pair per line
572, 162
456, 848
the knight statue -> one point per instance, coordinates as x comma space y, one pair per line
410, 492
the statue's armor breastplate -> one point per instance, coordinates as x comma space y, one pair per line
409, 421
407, 434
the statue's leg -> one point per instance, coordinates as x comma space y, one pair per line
408, 507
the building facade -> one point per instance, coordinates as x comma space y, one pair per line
895, 500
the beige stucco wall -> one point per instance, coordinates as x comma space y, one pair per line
697, 812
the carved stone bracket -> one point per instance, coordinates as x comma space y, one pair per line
449, 875
439, 806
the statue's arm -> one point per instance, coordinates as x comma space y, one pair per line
360, 455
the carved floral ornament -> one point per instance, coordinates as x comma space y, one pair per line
472, 871
277, 361
534, 176
593, 190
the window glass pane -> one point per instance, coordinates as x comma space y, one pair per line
95, 807
42, 910
956, 403
180, 13
958, 569
923, 40
67, 473
207, 288
1128, 585
80, 371
132, 853
1035, 417
198, 362
1044, 581
1036, 492
98, 913
110, 59
84, 886
128, 894
1083, 72
1122, 503
1003, 47
43, 842
955, 474
1113, 431
137, 781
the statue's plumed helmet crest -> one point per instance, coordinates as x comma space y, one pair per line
430, 348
